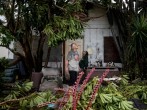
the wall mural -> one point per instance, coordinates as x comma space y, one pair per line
94, 33
94, 45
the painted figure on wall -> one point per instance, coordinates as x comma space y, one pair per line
72, 65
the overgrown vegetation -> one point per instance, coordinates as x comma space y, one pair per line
137, 47
3, 65
106, 95
111, 95
21, 97
61, 20
29, 21
130, 17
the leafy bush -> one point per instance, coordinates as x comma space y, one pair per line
109, 97
21, 97
3, 64
96, 94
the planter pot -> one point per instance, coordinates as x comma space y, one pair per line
36, 78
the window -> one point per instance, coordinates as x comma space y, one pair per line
110, 51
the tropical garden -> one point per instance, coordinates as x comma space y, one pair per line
56, 21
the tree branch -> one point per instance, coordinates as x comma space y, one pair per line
83, 17
18, 16
13, 51
61, 8
14, 62
18, 99
47, 57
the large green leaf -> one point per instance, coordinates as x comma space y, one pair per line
63, 28
138, 43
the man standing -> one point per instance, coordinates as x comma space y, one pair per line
72, 65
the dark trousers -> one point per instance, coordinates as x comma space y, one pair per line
73, 78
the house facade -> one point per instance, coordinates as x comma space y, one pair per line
98, 39
4, 52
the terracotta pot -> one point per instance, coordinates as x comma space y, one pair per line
36, 78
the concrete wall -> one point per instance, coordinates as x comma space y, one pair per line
4, 52
55, 56
95, 31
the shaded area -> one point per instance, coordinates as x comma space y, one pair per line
139, 104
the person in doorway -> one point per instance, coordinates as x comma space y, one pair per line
83, 64
72, 65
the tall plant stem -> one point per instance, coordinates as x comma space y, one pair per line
96, 87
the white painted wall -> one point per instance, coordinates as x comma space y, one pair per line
4, 52
94, 32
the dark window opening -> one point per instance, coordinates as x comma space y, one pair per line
110, 51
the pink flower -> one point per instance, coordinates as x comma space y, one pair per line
96, 87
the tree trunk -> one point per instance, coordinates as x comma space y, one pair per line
38, 58
47, 57
27, 51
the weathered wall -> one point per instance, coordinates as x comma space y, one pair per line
55, 55
4, 52
95, 31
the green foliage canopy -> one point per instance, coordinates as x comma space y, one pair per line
27, 20
62, 29
137, 46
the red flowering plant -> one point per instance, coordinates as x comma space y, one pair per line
71, 93
87, 96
